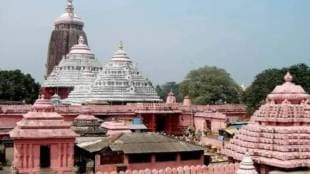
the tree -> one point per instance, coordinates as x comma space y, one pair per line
268, 79
210, 85
16, 86
164, 89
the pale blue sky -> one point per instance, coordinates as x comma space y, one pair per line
167, 38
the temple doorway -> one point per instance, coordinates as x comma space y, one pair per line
160, 124
45, 156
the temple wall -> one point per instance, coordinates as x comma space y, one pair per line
221, 168
9, 120
185, 119
151, 165
216, 124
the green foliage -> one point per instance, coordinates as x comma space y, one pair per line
164, 89
266, 81
210, 85
16, 86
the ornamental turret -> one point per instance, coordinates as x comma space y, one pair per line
247, 165
277, 135
171, 99
68, 28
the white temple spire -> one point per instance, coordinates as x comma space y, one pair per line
121, 45
247, 165
81, 40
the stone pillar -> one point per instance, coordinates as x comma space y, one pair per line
153, 123
169, 124
126, 161
71, 154
178, 157
153, 158
97, 162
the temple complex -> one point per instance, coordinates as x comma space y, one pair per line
108, 117
42, 139
68, 28
78, 68
277, 136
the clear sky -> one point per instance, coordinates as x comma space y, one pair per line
167, 38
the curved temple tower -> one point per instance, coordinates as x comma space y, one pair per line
278, 135
68, 28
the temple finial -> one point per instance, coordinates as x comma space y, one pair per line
288, 77
81, 40
69, 8
121, 45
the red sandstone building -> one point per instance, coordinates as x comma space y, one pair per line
137, 151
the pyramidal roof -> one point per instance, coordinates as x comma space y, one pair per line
42, 123
119, 81
279, 131
79, 67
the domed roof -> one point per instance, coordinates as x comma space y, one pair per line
81, 48
69, 17
43, 105
288, 91
120, 54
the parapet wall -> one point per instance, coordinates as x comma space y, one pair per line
222, 168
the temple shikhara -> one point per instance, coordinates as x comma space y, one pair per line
277, 136
95, 117
68, 29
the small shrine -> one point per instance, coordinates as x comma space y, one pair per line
87, 125
277, 136
171, 99
43, 141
